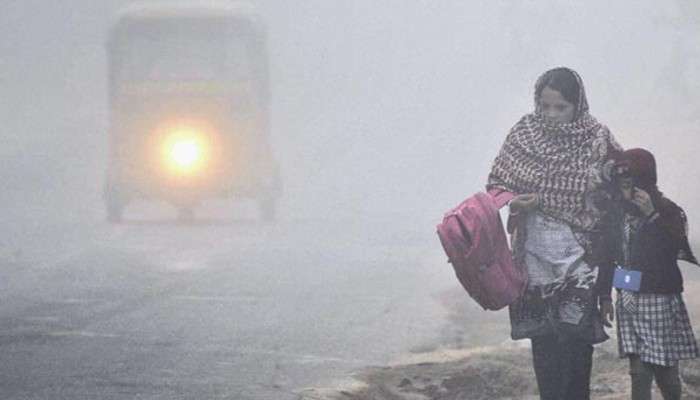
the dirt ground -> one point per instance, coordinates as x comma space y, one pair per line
479, 361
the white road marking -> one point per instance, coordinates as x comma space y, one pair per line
41, 319
247, 299
302, 358
87, 334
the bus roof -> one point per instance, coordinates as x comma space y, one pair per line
153, 12
187, 10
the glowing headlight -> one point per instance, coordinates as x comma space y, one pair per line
185, 151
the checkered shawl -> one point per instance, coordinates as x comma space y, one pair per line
567, 165
656, 327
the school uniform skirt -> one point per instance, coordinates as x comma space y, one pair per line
656, 327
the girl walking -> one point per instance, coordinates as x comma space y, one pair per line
653, 327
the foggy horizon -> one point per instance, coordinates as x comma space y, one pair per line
384, 115
389, 108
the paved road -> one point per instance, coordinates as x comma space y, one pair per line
210, 310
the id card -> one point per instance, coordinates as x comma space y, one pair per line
627, 279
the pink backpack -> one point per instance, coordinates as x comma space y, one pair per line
473, 237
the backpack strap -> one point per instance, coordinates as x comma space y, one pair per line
501, 197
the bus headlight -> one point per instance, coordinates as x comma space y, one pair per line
185, 151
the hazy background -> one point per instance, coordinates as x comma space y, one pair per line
385, 114
380, 108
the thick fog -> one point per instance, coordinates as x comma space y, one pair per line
391, 108
384, 114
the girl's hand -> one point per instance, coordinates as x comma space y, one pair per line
642, 200
524, 203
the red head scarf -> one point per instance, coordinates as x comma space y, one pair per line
642, 168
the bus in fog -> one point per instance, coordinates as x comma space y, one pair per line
189, 108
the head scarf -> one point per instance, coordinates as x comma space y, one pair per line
581, 102
641, 166
567, 165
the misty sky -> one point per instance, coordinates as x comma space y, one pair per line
386, 107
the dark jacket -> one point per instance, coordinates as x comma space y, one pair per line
656, 248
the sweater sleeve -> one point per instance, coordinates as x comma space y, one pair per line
668, 229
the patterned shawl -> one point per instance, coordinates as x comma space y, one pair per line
567, 165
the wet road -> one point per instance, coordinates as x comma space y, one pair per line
210, 310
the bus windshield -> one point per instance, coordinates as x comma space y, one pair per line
163, 53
